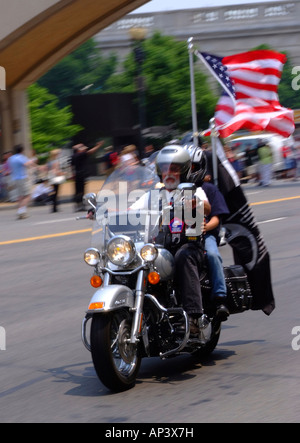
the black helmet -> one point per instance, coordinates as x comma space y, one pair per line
177, 155
188, 139
198, 164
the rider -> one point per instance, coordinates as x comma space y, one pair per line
212, 228
173, 166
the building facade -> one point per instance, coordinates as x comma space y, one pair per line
221, 30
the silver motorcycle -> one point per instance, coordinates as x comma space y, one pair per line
134, 312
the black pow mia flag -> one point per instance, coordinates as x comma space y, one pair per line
243, 235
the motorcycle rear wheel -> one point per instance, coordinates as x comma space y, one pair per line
116, 361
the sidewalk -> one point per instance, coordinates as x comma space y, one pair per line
66, 191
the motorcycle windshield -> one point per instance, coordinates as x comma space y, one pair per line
127, 204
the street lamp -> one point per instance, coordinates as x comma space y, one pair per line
137, 35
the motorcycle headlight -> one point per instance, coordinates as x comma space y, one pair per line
149, 253
121, 250
92, 256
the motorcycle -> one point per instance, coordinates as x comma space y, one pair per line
134, 312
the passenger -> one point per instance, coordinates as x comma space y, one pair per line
201, 176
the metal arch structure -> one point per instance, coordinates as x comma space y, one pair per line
35, 35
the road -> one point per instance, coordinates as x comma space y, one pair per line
47, 375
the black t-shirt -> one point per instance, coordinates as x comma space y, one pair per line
217, 202
80, 163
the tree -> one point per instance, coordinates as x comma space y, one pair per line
50, 125
85, 66
166, 77
287, 96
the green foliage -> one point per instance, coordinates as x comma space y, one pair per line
287, 95
85, 66
50, 126
167, 84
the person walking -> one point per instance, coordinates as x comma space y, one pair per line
19, 164
55, 175
265, 163
79, 162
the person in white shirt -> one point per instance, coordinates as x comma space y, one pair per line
19, 165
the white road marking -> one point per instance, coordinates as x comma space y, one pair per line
55, 221
272, 220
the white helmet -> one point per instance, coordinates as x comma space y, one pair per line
177, 155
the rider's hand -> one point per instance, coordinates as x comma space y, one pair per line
91, 214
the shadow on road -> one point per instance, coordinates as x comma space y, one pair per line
153, 370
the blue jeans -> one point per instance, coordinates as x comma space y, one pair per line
215, 267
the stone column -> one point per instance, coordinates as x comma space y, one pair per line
14, 119
6, 142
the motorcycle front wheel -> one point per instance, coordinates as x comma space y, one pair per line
116, 361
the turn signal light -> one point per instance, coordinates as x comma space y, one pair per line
98, 305
154, 278
96, 281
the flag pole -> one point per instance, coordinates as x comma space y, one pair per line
214, 137
193, 94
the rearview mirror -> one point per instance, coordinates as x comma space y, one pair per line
187, 187
90, 199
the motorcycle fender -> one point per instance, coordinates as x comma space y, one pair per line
110, 298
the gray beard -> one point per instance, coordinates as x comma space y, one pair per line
174, 185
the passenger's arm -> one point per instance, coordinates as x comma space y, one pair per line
213, 223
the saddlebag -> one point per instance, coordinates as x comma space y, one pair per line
239, 298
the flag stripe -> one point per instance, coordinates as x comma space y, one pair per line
282, 124
260, 54
276, 73
274, 103
242, 82
224, 106
246, 91
263, 66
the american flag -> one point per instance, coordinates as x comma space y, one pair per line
252, 100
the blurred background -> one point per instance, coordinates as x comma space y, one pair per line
130, 82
